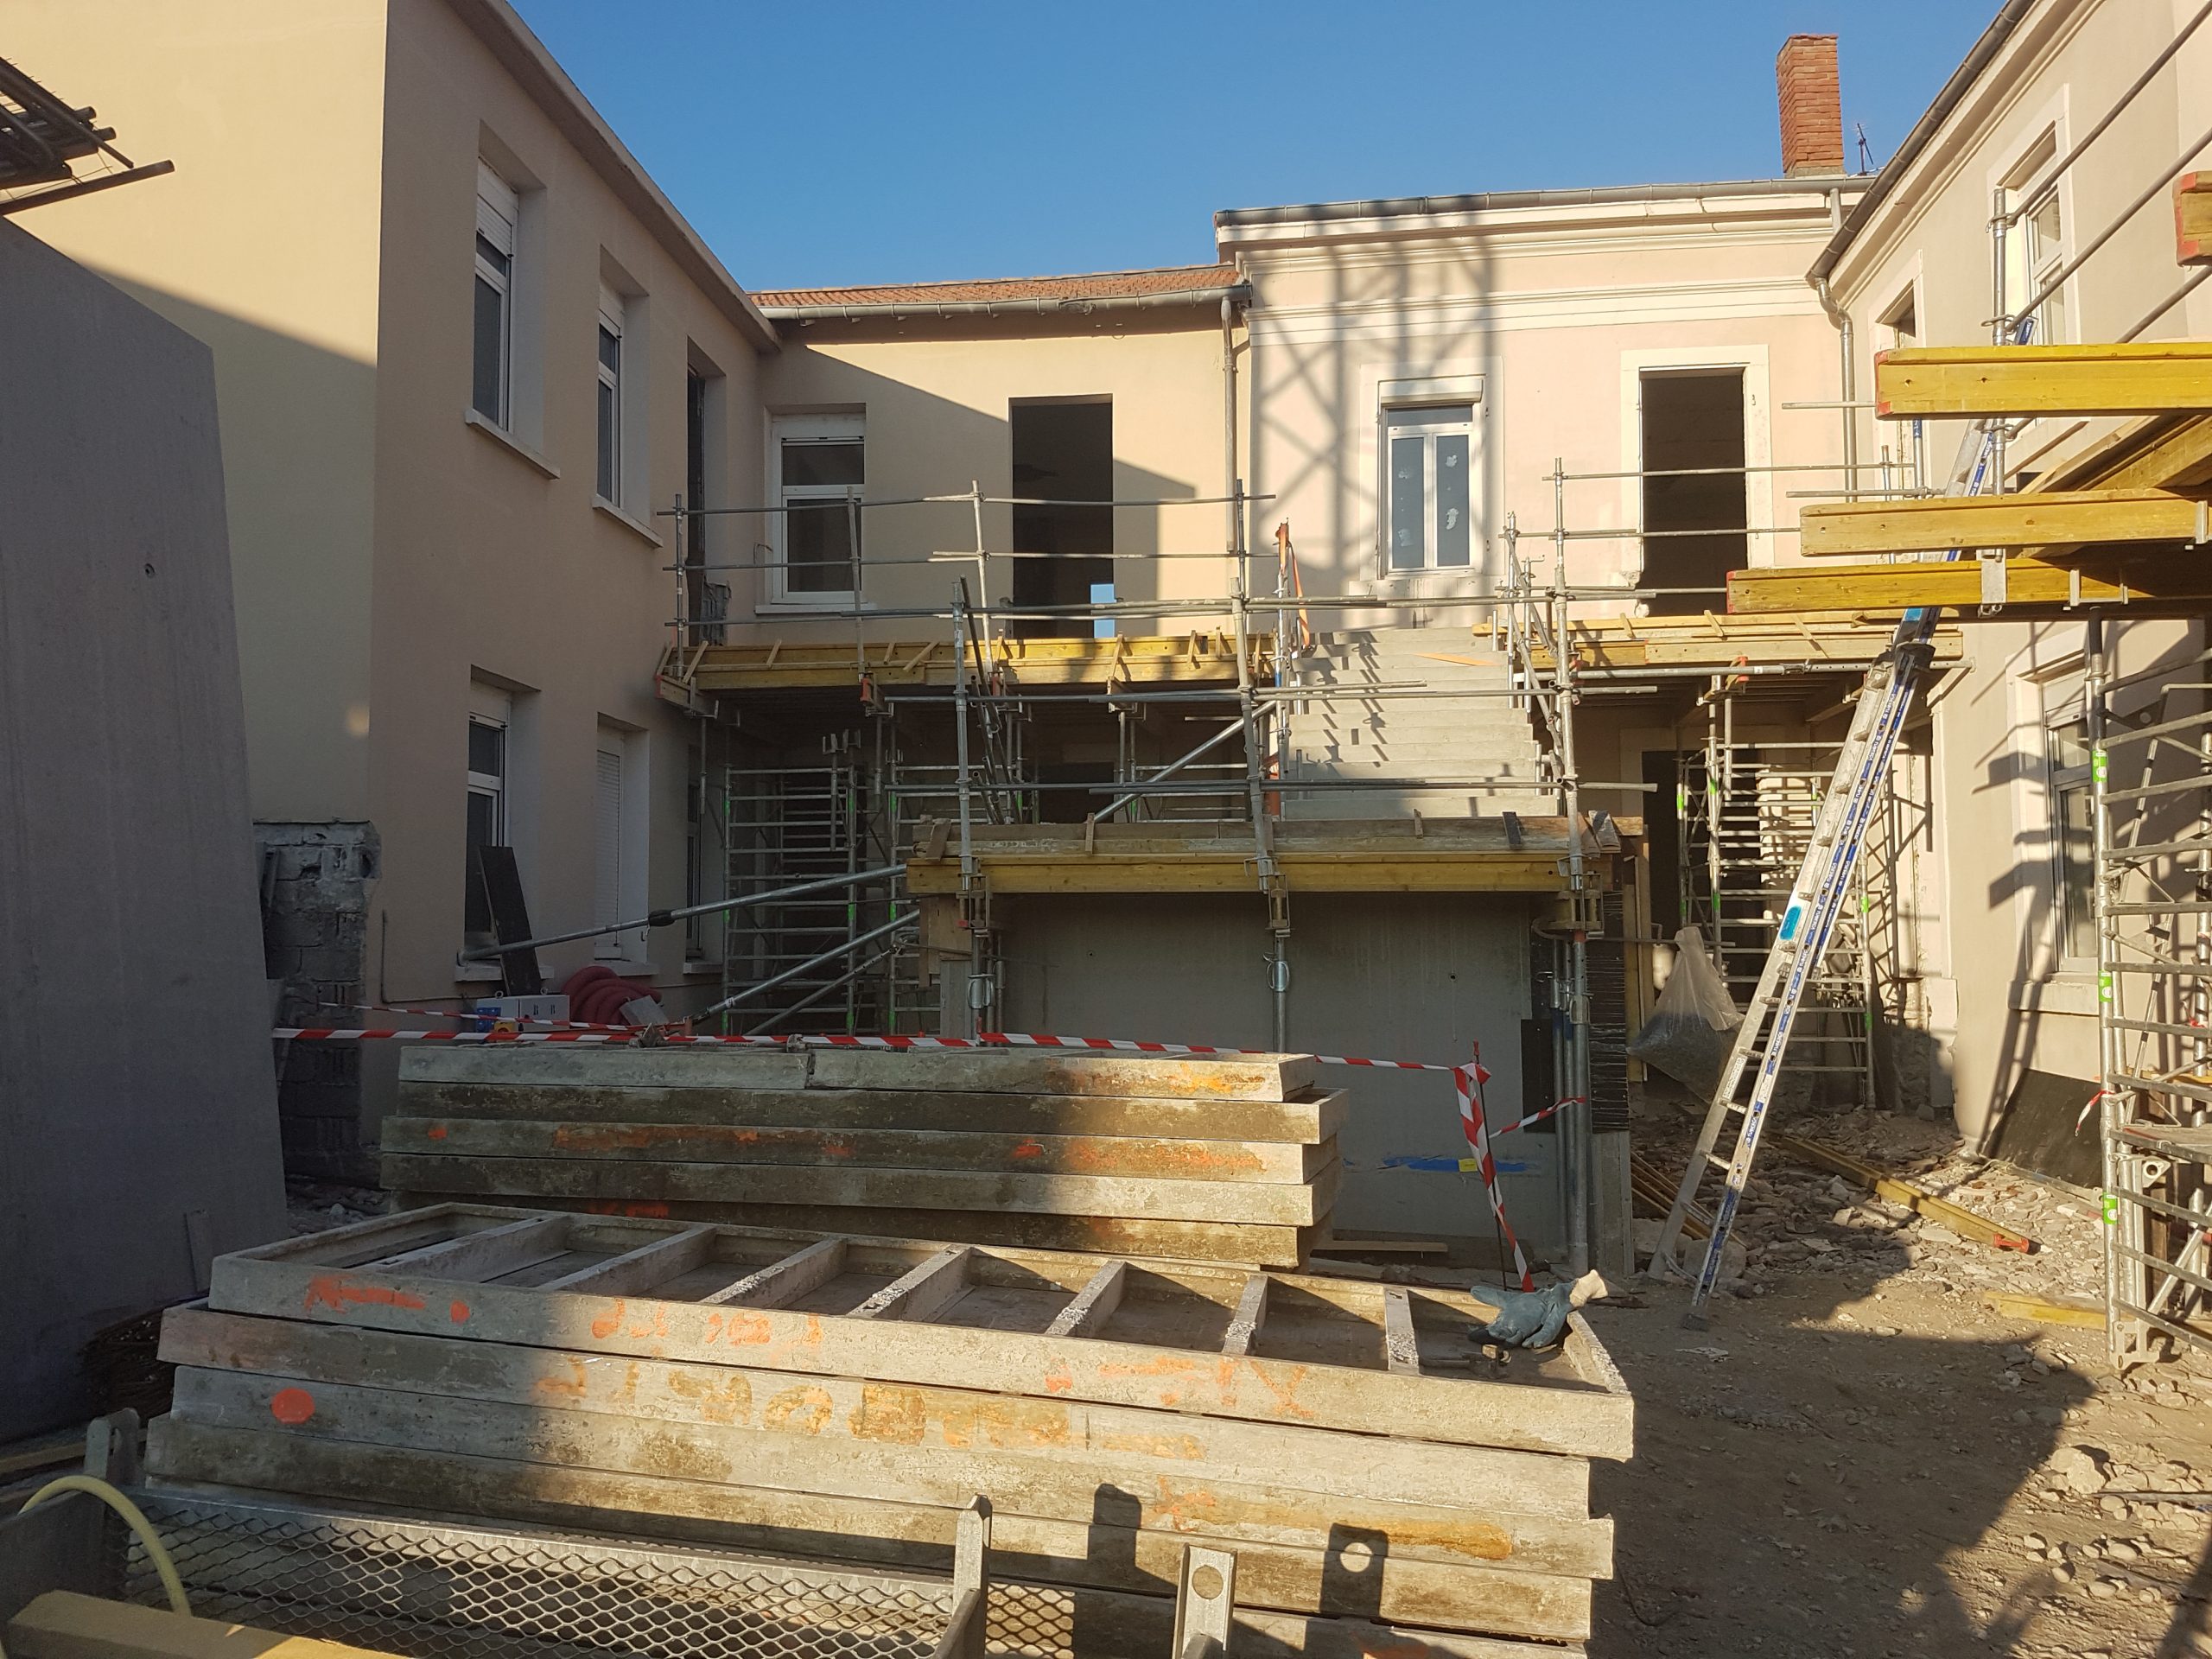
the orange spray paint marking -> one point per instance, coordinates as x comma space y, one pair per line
292, 1406
608, 1323
1029, 1149
329, 1290
436, 1131
458, 1312
1058, 1380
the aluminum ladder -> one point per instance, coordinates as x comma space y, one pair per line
1800, 944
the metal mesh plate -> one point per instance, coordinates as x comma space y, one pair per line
458, 1592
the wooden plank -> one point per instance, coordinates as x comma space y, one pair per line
1103, 1551
782, 1282
831, 1411
1244, 1324
923, 1292
1313, 1119
1252, 1203
1401, 1348
641, 1270
1192, 1241
1579, 1421
2193, 220
508, 1247
2148, 586
1249, 1508
1956, 1218
555, 1064
61, 1624
2137, 378
1064, 1072
1863, 529
643, 1139
1093, 1305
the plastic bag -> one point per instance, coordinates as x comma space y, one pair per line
1694, 1026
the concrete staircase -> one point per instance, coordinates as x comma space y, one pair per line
1385, 737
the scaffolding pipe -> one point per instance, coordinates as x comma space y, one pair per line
1215, 741
667, 917
841, 948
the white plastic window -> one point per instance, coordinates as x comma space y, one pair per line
609, 479
492, 368
1429, 464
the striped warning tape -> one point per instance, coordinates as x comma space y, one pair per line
1473, 1115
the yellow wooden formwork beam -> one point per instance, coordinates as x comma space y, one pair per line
2163, 376
2193, 219
2077, 517
2159, 587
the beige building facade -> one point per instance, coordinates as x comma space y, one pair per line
2000, 959
452, 575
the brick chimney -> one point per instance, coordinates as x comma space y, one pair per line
1812, 107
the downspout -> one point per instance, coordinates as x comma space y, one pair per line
1849, 376
1229, 487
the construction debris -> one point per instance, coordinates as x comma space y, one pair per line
1960, 1220
1202, 1158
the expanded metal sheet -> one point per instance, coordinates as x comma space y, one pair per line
456, 1592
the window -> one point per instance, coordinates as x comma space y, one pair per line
488, 808
2073, 837
2035, 243
1429, 458
705, 414
498, 211
609, 484
820, 469
1900, 324
607, 827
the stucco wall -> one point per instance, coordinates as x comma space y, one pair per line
1998, 995
487, 566
1558, 311
263, 244
137, 1110
936, 397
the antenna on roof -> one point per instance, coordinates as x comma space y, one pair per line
1865, 156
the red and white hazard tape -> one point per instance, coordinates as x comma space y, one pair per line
1473, 1115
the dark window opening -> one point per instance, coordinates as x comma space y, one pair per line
1694, 494
1064, 457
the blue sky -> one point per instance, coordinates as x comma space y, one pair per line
875, 142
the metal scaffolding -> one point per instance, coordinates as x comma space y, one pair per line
2150, 783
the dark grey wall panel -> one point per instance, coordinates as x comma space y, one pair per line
137, 1110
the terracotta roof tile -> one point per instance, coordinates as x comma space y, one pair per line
1013, 291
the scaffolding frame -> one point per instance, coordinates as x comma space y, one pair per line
2151, 784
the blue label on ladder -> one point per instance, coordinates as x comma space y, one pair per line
1790, 917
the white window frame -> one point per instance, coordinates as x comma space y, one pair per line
493, 710
498, 218
812, 428
607, 411
2059, 782
2031, 257
1429, 413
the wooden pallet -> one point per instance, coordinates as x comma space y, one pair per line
843, 1397
1226, 1158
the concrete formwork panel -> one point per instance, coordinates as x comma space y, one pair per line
138, 1111
1415, 976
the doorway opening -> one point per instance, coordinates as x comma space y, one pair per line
1062, 459
1694, 487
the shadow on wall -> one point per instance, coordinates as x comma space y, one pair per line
1314, 401
921, 443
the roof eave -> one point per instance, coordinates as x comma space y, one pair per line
1238, 293
523, 55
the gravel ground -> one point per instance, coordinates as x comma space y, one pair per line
1859, 1458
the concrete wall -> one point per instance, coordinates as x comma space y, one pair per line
936, 395
1385, 976
2027, 1009
137, 1107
